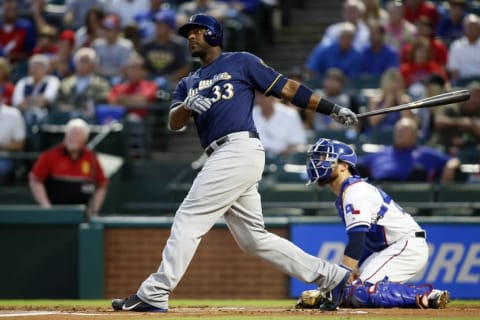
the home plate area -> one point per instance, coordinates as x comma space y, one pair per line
62, 312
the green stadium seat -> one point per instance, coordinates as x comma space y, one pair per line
459, 192
466, 195
380, 136
409, 192
16, 195
58, 117
342, 135
414, 197
285, 192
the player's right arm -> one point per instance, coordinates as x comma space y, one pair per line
179, 116
183, 106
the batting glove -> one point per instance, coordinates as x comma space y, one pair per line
343, 115
197, 103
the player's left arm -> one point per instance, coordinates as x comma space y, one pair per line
303, 97
270, 82
353, 251
357, 207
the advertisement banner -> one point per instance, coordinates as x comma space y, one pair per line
454, 262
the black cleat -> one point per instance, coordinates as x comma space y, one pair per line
134, 303
334, 297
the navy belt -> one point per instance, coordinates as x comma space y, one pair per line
217, 143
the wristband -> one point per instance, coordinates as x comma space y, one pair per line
325, 107
302, 97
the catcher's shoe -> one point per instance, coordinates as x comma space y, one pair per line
334, 297
438, 299
134, 303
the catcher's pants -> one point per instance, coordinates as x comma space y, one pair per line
227, 186
400, 262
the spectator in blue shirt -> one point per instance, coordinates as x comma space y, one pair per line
405, 160
145, 21
340, 54
450, 27
378, 57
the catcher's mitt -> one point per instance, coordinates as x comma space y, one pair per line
311, 299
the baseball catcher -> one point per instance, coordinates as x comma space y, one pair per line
386, 246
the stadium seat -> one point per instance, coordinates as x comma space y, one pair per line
413, 197
284, 192
315, 82
467, 195
347, 136
459, 192
380, 136
16, 195
409, 192
463, 82
58, 117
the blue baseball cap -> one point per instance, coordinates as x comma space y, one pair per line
166, 16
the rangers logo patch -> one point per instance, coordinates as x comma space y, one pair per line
349, 209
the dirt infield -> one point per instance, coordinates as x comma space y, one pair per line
68, 313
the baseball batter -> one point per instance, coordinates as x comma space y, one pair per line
220, 96
385, 245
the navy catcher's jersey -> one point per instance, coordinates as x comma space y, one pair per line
230, 82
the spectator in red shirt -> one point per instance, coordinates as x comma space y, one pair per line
47, 41
419, 67
17, 35
6, 86
135, 93
414, 9
70, 173
425, 29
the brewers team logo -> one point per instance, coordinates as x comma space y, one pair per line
86, 168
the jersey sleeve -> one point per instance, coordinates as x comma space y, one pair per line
42, 167
360, 203
263, 77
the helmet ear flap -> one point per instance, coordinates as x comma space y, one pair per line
210, 37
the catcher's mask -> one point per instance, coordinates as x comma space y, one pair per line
323, 156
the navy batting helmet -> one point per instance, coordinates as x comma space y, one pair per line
214, 34
323, 156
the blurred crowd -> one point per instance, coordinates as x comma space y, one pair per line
387, 53
100, 60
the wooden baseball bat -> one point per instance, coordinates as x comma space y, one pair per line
435, 101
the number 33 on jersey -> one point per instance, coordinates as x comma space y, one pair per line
231, 89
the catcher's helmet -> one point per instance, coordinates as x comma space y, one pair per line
323, 156
214, 34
